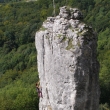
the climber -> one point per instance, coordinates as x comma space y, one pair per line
39, 89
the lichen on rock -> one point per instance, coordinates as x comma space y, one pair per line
67, 62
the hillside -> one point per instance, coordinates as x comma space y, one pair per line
18, 66
11, 1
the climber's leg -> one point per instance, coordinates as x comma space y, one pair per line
40, 93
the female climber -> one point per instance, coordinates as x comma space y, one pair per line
39, 89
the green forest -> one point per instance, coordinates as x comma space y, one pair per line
19, 22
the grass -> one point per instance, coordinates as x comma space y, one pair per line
42, 29
64, 39
70, 45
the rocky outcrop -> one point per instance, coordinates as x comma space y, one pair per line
67, 64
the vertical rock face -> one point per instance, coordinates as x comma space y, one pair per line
67, 64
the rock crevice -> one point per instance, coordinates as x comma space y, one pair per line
67, 63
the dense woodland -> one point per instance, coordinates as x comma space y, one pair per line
18, 65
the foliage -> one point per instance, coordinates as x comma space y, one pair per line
18, 23
20, 93
99, 17
104, 107
18, 63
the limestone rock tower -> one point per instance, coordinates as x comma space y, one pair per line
67, 63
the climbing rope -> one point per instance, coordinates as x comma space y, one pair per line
54, 8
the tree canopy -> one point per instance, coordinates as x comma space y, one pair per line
18, 65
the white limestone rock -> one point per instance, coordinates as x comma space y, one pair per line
67, 63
